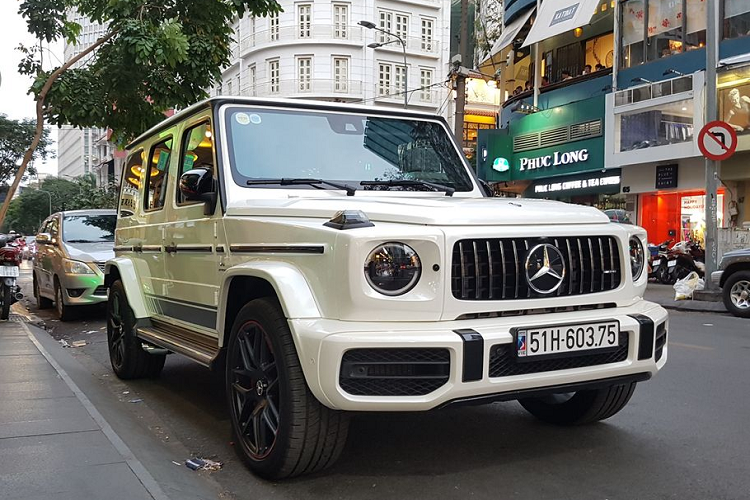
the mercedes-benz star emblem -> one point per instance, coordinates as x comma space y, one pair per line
545, 268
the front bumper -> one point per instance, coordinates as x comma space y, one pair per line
83, 289
322, 345
716, 277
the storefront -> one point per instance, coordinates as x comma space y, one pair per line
597, 189
482, 104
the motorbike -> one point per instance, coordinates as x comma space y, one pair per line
10, 259
687, 256
658, 261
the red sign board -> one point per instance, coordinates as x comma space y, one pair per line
717, 140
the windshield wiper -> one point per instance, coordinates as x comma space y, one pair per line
80, 241
286, 181
411, 182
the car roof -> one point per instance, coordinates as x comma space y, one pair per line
215, 102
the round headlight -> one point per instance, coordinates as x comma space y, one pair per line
393, 268
637, 257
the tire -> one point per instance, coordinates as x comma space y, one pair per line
662, 275
41, 302
5, 295
581, 407
736, 294
127, 357
64, 312
279, 428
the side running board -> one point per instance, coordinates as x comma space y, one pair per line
201, 348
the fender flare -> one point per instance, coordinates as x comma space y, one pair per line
130, 281
291, 287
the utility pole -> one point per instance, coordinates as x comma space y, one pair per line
712, 167
460, 79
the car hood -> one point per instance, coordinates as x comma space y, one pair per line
439, 211
91, 252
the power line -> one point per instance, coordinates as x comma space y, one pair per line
408, 91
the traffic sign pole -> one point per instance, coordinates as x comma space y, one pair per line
712, 166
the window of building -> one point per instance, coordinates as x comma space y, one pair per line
156, 175
425, 81
427, 42
736, 18
661, 125
273, 27
400, 79
340, 74
304, 19
386, 23
229, 86
251, 79
384, 79
304, 73
340, 21
273, 75
402, 26
198, 152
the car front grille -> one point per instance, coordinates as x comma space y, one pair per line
494, 268
394, 371
504, 363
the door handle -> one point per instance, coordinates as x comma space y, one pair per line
170, 248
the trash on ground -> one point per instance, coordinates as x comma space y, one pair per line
64, 343
126, 392
685, 287
78, 343
138, 400
203, 464
177, 463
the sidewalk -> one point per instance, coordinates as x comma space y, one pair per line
664, 296
53, 442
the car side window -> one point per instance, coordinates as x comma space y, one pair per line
156, 176
132, 178
197, 152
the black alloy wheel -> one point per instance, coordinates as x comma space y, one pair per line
255, 390
280, 429
126, 354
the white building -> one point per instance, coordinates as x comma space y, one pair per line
317, 50
79, 151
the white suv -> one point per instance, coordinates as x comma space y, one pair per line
333, 258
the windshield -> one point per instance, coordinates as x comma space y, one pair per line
344, 147
89, 228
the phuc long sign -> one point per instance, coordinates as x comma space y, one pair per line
554, 160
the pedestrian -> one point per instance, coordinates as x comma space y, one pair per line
586, 70
518, 90
528, 86
599, 67
545, 81
566, 75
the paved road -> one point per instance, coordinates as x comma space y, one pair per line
682, 436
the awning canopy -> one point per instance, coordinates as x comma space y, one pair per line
730, 61
558, 16
511, 32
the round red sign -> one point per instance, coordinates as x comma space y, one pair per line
717, 140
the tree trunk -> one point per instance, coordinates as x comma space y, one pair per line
40, 119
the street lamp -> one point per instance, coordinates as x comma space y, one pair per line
371, 26
50, 198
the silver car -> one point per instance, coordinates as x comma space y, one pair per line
72, 248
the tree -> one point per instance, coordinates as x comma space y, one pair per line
154, 55
15, 139
28, 210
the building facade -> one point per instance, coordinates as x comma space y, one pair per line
317, 50
82, 151
616, 119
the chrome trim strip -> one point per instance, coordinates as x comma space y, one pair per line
313, 249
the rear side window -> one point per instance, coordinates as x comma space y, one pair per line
132, 179
198, 151
156, 176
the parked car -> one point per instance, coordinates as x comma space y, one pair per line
335, 258
72, 248
733, 277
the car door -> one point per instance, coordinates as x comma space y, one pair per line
47, 255
191, 236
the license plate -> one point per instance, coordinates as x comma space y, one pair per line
8, 271
655, 262
562, 339
671, 263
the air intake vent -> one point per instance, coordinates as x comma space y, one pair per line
553, 137
585, 130
526, 142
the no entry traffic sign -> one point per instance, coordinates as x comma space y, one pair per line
717, 140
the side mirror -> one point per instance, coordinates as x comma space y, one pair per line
198, 185
43, 239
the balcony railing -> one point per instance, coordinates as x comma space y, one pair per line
414, 44
315, 32
304, 87
652, 90
429, 96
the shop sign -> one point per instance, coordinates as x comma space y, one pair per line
554, 160
573, 185
693, 203
666, 176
